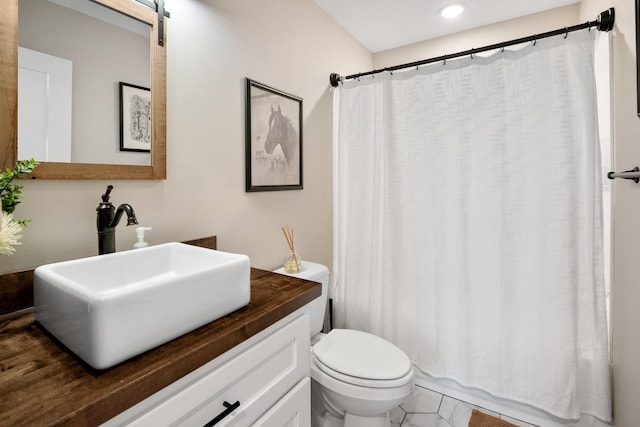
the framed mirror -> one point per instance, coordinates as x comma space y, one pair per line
121, 119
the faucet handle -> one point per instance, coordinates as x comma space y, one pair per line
105, 196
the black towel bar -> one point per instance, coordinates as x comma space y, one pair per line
633, 174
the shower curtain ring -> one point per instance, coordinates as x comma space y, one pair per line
535, 40
566, 32
502, 49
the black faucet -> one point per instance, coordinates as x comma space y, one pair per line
108, 218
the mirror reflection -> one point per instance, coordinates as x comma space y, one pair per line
74, 59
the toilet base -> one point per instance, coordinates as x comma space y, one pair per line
326, 420
351, 420
325, 413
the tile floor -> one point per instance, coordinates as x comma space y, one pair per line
426, 408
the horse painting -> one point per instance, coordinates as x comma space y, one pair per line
281, 132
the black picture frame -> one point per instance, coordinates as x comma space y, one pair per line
135, 118
273, 139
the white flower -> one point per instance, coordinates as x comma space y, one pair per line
9, 234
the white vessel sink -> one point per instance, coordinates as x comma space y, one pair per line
109, 308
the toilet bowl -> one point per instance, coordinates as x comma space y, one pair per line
357, 377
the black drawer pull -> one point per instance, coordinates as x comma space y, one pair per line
230, 408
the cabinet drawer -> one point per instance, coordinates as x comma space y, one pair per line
293, 410
256, 378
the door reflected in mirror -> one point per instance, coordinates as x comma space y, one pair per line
73, 56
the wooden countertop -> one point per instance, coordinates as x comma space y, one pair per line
43, 384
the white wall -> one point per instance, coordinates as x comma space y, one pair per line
212, 46
478, 37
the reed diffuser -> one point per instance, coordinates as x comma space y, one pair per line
292, 261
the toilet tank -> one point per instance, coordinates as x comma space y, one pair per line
316, 308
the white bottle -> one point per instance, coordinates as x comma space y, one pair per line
140, 233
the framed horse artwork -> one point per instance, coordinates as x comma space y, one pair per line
273, 139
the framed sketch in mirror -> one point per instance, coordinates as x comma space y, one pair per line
135, 118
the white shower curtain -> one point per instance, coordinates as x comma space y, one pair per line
468, 224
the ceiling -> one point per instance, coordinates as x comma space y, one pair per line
386, 24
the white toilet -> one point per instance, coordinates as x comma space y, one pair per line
357, 377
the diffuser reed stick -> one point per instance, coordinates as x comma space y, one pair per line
292, 262
288, 234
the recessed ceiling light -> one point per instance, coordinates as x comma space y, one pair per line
452, 10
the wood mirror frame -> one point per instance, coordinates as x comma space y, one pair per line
55, 170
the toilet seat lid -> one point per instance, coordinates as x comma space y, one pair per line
362, 355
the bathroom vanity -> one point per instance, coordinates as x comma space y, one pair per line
257, 356
263, 381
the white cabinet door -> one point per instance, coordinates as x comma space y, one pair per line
293, 410
257, 378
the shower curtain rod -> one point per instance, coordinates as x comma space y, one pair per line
604, 22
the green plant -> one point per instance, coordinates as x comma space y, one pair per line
12, 193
